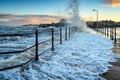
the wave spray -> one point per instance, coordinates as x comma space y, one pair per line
76, 19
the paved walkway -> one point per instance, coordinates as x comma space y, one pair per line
114, 72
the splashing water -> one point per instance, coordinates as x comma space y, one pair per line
76, 19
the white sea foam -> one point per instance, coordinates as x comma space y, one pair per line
83, 57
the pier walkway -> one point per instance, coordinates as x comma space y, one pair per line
114, 71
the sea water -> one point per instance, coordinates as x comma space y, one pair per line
18, 43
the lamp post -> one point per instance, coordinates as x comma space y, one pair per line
97, 18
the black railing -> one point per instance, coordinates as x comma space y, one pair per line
67, 32
5, 35
110, 32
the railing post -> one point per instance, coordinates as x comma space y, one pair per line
22, 69
65, 33
112, 34
52, 39
104, 30
115, 35
36, 44
107, 32
75, 29
60, 35
97, 30
69, 32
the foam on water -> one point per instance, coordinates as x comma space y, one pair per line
79, 58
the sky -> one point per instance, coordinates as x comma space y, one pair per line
20, 12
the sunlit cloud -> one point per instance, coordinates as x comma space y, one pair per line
13, 19
86, 19
113, 3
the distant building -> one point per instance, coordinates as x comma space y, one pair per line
63, 21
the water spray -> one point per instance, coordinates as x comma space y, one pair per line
76, 19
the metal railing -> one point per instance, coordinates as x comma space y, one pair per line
109, 32
67, 31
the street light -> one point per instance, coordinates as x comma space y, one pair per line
97, 18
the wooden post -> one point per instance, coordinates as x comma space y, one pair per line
60, 35
52, 39
36, 44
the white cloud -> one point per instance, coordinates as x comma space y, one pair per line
113, 3
13, 19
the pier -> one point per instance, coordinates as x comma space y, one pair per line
114, 72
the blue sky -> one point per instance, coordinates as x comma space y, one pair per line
12, 10
32, 6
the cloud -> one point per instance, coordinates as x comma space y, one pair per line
113, 3
13, 19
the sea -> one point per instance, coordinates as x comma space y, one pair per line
17, 43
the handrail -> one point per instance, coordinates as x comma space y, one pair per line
24, 49
30, 60
11, 52
5, 35
26, 63
112, 32
7, 68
